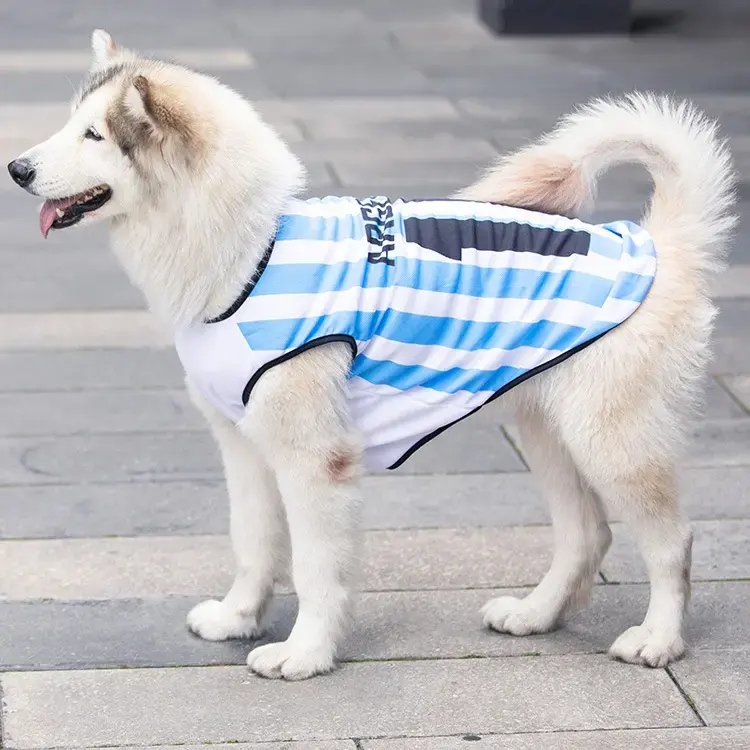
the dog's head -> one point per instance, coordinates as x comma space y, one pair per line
138, 129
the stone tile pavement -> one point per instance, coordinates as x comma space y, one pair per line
112, 513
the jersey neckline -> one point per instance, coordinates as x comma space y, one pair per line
247, 290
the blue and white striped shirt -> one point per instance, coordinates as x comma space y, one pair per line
446, 304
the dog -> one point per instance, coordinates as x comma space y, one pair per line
197, 190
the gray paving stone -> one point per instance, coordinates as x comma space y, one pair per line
698, 738
363, 700
470, 446
393, 501
352, 79
103, 458
355, 110
720, 442
125, 509
387, 625
193, 454
102, 411
719, 685
739, 387
399, 149
720, 551
720, 404
715, 492
132, 567
731, 354
201, 506
304, 745
407, 171
89, 370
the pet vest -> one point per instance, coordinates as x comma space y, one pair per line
446, 304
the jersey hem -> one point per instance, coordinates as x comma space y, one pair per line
522, 378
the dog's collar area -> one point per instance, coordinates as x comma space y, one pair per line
247, 291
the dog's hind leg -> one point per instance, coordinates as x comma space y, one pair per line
581, 536
646, 498
625, 439
258, 533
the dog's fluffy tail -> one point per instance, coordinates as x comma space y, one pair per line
693, 199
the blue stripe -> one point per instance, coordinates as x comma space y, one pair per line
439, 276
411, 328
632, 286
404, 377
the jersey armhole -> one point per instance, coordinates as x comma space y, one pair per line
329, 339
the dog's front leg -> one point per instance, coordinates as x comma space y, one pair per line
258, 535
297, 413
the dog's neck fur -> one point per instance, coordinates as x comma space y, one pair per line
192, 253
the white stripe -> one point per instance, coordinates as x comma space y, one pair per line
617, 310
443, 358
437, 304
340, 207
460, 401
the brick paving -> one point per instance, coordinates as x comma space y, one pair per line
112, 513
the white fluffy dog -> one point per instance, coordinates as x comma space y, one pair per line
192, 184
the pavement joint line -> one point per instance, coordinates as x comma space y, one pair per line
718, 379
685, 695
516, 448
378, 592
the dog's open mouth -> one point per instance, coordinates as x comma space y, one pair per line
64, 212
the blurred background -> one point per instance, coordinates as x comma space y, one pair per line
112, 509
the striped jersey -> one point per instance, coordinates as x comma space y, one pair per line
446, 304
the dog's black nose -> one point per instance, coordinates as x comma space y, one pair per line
22, 172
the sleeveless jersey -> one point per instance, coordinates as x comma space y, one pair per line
446, 304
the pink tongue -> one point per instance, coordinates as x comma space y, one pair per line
48, 213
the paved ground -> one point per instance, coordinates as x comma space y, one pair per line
112, 514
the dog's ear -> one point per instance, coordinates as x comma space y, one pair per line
105, 50
157, 105
103, 47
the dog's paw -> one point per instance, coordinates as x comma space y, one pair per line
215, 621
506, 614
641, 645
289, 662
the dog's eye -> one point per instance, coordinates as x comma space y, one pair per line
93, 134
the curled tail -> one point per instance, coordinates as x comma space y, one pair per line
690, 165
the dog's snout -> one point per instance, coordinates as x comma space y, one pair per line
22, 172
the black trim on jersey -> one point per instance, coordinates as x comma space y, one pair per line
237, 304
328, 339
520, 379
448, 237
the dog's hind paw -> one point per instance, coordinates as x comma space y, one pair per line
641, 645
213, 620
289, 662
507, 614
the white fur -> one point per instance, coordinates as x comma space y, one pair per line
603, 429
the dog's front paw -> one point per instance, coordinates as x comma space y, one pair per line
641, 645
289, 661
216, 621
507, 614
